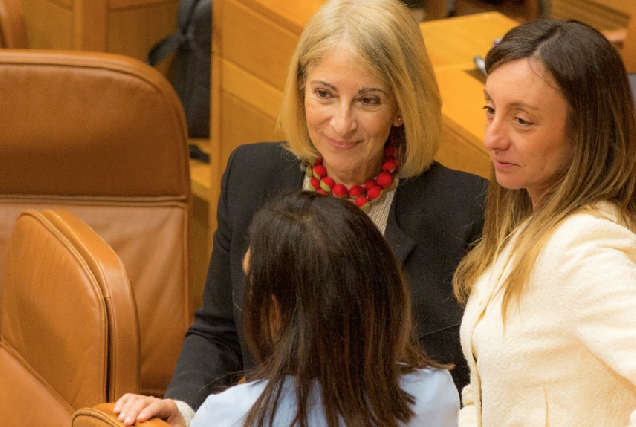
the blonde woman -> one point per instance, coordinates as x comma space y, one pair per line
362, 116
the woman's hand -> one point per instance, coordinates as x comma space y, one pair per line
133, 408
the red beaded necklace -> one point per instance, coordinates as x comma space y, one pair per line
362, 196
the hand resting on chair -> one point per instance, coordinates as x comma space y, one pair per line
133, 408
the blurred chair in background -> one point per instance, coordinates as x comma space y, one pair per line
68, 328
13, 33
427, 10
628, 51
103, 136
625, 41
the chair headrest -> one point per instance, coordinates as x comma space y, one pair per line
89, 124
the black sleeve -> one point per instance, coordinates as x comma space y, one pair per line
211, 358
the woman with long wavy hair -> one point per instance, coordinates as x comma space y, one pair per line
549, 328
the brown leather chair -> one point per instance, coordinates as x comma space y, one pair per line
68, 323
104, 137
13, 33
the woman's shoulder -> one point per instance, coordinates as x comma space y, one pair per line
228, 407
588, 244
449, 183
428, 381
436, 397
436, 401
442, 173
263, 163
261, 151
455, 198
259, 147
599, 224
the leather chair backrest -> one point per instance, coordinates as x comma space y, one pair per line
104, 137
13, 32
69, 335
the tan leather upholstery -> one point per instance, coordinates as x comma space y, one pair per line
104, 137
103, 416
68, 322
13, 33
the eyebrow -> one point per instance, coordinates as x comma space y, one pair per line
360, 91
515, 104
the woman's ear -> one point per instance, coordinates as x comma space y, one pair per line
397, 122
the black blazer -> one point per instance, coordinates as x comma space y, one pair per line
433, 219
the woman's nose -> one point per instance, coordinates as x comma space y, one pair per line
343, 120
496, 136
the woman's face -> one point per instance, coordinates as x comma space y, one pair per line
349, 114
526, 127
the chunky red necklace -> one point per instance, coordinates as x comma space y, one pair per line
362, 196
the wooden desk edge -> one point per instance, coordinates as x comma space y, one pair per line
200, 173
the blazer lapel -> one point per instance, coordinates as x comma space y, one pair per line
401, 243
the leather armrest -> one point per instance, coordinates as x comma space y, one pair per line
102, 415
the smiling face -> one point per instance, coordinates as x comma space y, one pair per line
349, 114
526, 127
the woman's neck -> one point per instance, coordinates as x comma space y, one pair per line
358, 176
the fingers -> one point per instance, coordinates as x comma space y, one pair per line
134, 407
162, 408
122, 401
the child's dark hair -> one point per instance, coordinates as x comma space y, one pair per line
326, 301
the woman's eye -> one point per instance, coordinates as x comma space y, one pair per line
370, 101
322, 93
489, 110
523, 122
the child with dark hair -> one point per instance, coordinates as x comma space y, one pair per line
327, 317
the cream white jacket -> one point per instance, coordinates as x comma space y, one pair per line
566, 355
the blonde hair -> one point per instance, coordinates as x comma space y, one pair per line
601, 127
383, 36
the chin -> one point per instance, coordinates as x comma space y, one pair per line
508, 183
341, 161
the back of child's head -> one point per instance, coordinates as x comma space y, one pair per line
326, 300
